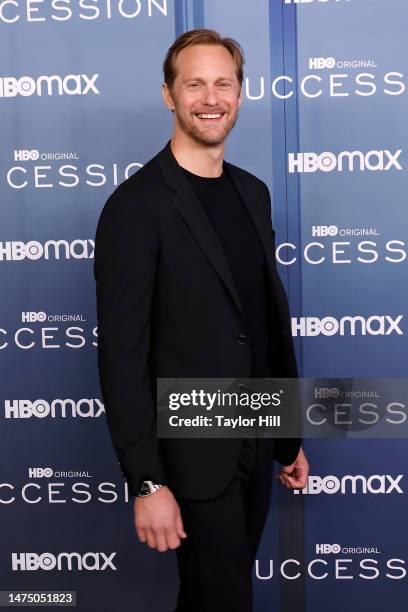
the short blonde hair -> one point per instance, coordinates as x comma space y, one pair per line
202, 36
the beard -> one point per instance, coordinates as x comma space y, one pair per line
207, 136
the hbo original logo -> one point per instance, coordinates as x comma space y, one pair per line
324, 230
328, 549
26, 155
33, 317
319, 63
326, 392
40, 472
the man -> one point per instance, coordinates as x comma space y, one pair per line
187, 287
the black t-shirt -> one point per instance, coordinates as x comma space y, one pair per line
244, 253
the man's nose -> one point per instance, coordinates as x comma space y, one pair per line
210, 96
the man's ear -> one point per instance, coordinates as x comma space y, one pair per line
168, 100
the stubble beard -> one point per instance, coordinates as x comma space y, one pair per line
208, 137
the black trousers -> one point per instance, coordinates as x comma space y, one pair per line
215, 560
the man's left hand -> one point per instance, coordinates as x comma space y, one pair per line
294, 476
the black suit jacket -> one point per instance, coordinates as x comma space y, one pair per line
167, 306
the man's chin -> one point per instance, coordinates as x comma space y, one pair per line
211, 142
209, 139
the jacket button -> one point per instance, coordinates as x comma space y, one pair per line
242, 339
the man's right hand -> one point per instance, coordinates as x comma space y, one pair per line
158, 520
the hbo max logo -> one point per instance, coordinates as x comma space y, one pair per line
70, 85
90, 561
353, 326
330, 485
374, 161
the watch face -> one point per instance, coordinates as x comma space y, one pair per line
144, 488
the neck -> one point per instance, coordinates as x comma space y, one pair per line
204, 160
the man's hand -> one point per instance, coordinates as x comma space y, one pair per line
294, 476
158, 520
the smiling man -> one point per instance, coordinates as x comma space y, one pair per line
187, 287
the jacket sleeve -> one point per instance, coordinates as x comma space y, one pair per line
126, 252
286, 449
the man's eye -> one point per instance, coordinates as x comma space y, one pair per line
224, 85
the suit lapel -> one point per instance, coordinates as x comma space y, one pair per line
197, 221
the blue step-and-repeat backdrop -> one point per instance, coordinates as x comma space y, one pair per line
324, 123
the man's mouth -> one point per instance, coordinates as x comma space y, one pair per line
209, 116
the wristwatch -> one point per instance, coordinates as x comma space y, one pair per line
147, 487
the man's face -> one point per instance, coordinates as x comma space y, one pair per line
206, 94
